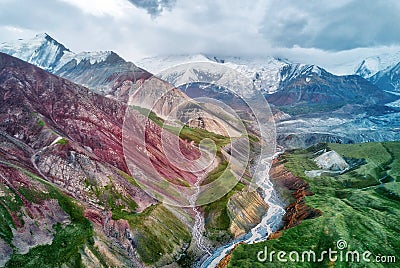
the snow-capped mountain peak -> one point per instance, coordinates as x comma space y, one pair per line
383, 70
45, 52
372, 65
293, 71
42, 50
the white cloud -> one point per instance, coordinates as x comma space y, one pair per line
326, 33
11, 33
114, 8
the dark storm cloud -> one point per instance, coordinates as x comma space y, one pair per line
154, 7
339, 25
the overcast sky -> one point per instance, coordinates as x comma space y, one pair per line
327, 33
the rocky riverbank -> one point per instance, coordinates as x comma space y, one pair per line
292, 190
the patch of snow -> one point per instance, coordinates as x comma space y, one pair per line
316, 70
395, 104
93, 57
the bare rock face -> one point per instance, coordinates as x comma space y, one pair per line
211, 117
246, 210
158, 96
331, 161
5, 252
297, 210
33, 234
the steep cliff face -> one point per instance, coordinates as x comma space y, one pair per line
113, 76
245, 210
297, 210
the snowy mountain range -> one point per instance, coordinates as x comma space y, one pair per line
323, 107
374, 64
382, 70
102, 71
46, 53
264, 72
267, 73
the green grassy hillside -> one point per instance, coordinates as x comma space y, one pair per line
356, 208
68, 240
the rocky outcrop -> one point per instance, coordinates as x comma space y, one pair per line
5, 252
208, 124
28, 212
331, 161
245, 210
297, 210
38, 222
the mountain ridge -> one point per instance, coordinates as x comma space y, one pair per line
104, 72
